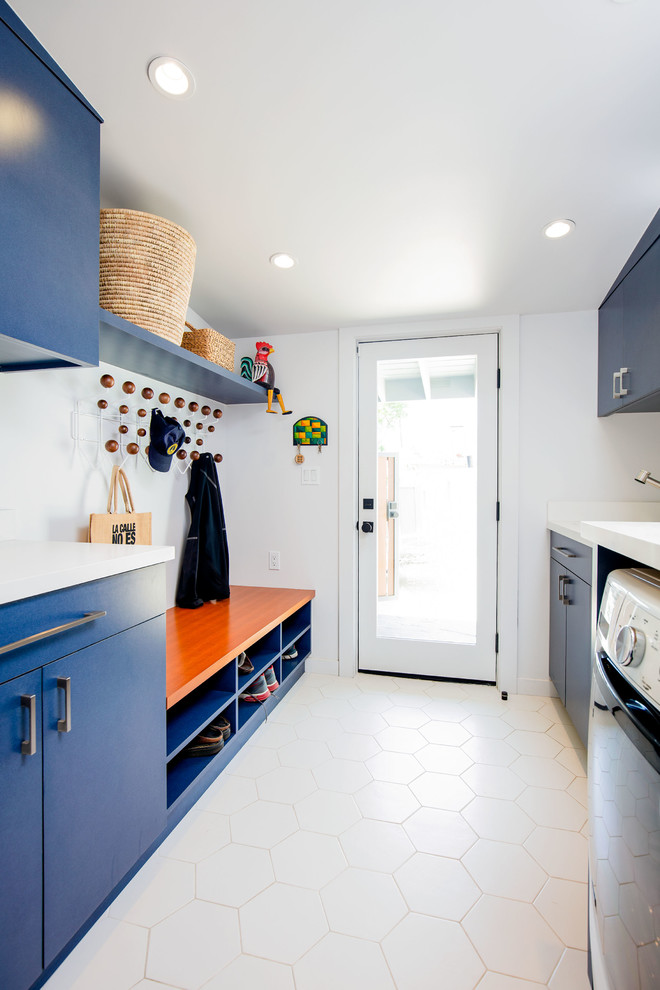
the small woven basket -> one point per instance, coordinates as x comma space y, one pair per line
146, 271
210, 344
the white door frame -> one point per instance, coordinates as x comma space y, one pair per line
508, 328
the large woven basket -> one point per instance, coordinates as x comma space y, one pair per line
146, 271
210, 344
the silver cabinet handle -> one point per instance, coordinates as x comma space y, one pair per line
87, 617
616, 392
563, 597
563, 551
64, 724
29, 745
622, 372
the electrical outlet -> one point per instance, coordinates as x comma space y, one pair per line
274, 560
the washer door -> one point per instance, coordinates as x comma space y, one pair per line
624, 849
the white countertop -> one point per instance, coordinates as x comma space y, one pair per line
35, 568
638, 540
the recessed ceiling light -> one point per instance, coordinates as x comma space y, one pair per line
281, 260
558, 228
171, 77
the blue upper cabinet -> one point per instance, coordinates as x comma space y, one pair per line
49, 204
629, 333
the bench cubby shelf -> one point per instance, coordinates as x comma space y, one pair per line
203, 681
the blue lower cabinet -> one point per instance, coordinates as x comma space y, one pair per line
104, 795
20, 831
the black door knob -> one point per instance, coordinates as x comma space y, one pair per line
367, 527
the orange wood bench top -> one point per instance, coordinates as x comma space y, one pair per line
201, 641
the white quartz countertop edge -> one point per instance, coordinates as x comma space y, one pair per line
638, 540
30, 568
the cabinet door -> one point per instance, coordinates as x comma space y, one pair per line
49, 200
20, 835
104, 780
578, 655
557, 631
641, 292
610, 350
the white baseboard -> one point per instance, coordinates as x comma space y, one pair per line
317, 666
8, 524
541, 686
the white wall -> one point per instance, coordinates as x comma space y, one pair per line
266, 506
566, 454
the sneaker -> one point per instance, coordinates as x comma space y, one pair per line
256, 691
221, 724
209, 742
271, 679
290, 654
244, 664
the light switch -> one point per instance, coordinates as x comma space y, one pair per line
310, 476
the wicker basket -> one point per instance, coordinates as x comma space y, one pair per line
211, 345
146, 271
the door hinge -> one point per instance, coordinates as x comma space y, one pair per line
497, 512
499, 378
497, 642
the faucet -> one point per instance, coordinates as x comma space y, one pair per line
645, 476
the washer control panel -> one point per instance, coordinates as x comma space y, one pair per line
629, 627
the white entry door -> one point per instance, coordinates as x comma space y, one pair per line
427, 514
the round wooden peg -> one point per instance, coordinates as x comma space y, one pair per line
181, 454
200, 426
186, 422
132, 448
217, 413
111, 446
206, 410
194, 455
123, 410
217, 458
142, 432
123, 429
187, 440
179, 402
142, 413
211, 429
107, 381
128, 388
102, 404
147, 393
164, 398
193, 406
199, 441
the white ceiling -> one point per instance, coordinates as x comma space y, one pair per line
406, 152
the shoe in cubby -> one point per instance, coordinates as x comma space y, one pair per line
271, 679
257, 691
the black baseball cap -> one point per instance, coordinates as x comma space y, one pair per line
166, 436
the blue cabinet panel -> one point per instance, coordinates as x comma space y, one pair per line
104, 780
49, 198
127, 599
20, 835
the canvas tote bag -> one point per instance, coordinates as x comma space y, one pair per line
129, 528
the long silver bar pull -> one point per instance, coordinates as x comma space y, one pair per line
564, 552
87, 617
64, 724
29, 745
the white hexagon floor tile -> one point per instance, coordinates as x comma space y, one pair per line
397, 768
400, 740
234, 874
161, 887
308, 859
340, 961
330, 812
492, 818
561, 853
286, 785
490, 752
445, 733
421, 949
197, 836
386, 801
443, 758
352, 746
272, 735
229, 794
263, 824
323, 729
405, 717
247, 972
494, 782
306, 753
346, 776
363, 903
512, 938
374, 845
504, 870
437, 886
443, 833
110, 957
564, 905
441, 790
193, 944
282, 923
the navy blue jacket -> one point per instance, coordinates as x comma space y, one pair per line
204, 574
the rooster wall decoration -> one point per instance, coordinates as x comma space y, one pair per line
263, 374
